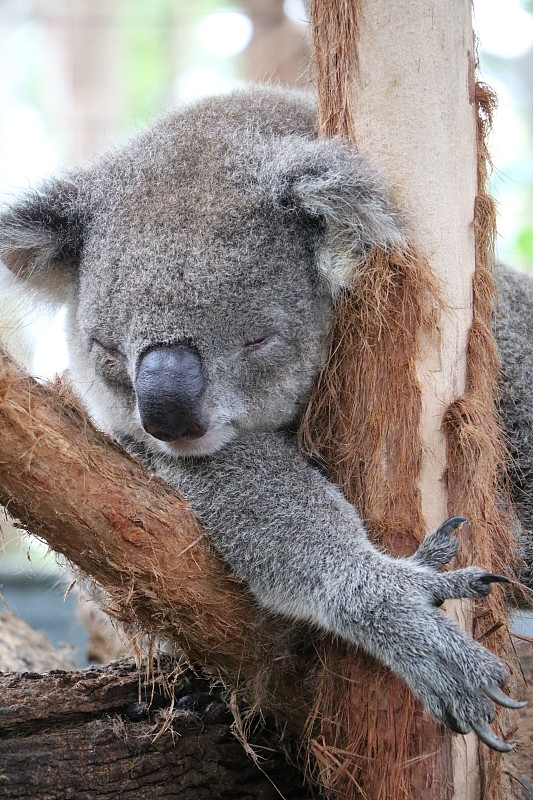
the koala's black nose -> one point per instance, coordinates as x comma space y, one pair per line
169, 387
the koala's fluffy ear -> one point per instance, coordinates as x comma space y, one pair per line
330, 181
41, 237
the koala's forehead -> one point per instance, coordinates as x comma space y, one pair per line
169, 283
182, 226
251, 248
180, 208
200, 162
197, 171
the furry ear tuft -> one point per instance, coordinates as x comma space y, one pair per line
330, 181
41, 236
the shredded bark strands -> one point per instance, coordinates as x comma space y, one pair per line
335, 31
477, 456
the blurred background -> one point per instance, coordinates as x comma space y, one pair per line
81, 75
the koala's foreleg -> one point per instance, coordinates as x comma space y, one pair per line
303, 551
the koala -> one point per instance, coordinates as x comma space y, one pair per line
200, 265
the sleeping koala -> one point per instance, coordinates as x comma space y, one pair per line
200, 266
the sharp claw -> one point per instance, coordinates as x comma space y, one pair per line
492, 577
495, 693
491, 740
456, 726
451, 524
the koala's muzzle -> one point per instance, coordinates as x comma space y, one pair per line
169, 387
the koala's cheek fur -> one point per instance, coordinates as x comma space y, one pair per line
267, 391
279, 403
111, 409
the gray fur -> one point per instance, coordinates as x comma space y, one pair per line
222, 225
513, 327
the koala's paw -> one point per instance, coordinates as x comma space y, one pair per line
458, 680
435, 552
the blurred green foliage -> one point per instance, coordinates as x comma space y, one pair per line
158, 41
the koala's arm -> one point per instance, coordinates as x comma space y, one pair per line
303, 551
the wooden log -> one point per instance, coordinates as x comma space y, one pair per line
90, 735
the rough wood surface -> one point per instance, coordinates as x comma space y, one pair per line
74, 736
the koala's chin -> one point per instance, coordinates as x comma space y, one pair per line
212, 441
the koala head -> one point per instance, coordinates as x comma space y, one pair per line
200, 265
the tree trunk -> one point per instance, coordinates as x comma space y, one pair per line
397, 79
279, 50
416, 81
82, 78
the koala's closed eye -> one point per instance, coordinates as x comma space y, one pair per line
254, 345
111, 363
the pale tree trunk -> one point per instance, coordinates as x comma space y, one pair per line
415, 120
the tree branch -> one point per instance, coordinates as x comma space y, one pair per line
91, 502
